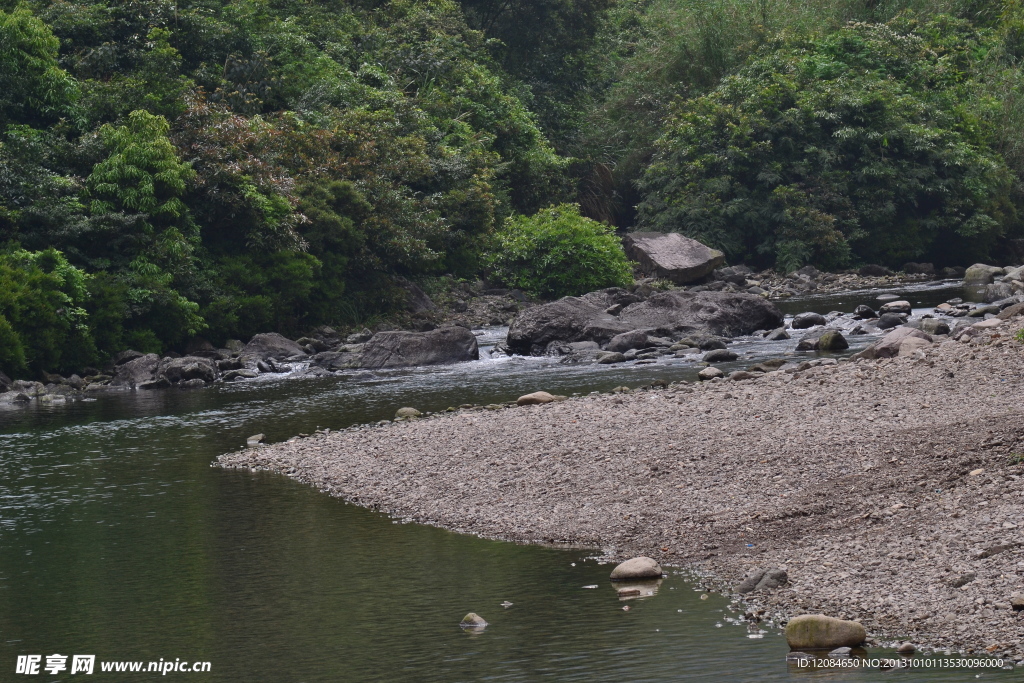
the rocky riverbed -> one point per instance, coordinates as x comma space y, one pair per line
889, 490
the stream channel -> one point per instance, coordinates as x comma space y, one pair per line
117, 539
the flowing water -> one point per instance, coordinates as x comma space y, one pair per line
117, 539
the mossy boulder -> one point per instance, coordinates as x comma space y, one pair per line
819, 632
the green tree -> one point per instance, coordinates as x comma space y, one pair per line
869, 143
557, 252
35, 89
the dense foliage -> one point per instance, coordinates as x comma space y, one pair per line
869, 143
226, 167
557, 252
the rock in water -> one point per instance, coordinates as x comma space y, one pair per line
535, 398
832, 340
635, 339
133, 373
981, 274
818, 632
473, 619
672, 256
906, 648
271, 345
407, 412
720, 356
636, 568
804, 320
442, 346
901, 307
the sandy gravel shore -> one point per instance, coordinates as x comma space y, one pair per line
889, 490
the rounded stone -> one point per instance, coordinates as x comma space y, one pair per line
832, 340
710, 373
636, 568
819, 632
906, 648
473, 619
536, 398
407, 412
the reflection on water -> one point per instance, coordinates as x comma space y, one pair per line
118, 539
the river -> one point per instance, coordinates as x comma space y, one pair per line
117, 539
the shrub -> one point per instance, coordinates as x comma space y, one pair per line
557, 252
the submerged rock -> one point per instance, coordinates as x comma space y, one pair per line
636, 568
473, 619
819, 632
407, 412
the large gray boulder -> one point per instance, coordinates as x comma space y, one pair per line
141, 370
187, 368
407, 349
981, 274
668, 314
672, 256
271, 345
889, 345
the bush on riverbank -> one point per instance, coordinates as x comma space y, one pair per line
557, 252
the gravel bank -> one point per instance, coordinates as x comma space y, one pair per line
888, 490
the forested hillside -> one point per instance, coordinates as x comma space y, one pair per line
224, 168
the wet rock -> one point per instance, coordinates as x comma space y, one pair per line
832, 340
140, 370
536, 398
841, 652
407, 412
902, 307
778, 334
819, 632
797, 656
635, 339
863, 312
669, 314
720, 356
710, 373
188, 368
887, 321
473, 619
804, 320
609, 357
672, 256
407, 349
271, 346
981, 274
241, 373
906, 648
934, 326
809, 343
158, 383
635, 569
14, 397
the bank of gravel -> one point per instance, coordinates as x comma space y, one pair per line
889, 490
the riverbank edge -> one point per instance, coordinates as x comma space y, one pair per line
352, 468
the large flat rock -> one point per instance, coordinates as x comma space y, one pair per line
407, 349
672, 256
673, 314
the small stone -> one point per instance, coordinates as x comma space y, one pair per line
254, 440
906, 648
840, 652
974, 473
720, 356
636, 568
407, 412
472, 619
